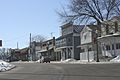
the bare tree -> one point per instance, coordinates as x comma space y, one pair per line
90, 10
38, 38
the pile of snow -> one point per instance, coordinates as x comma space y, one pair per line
116, 59
68, 60
38, 61
5, 66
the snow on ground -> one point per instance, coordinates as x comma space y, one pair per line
116, 59
68, 60
5, 66
73, 61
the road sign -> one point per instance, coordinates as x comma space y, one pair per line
0, 42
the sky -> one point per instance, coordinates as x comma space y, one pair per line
19, 18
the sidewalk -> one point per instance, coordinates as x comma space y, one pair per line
80, 62
74, 62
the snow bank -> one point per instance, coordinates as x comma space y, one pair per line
68, 60
4, 66
116, 59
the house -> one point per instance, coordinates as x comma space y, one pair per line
45, 48
19, 54
66, 44
110, 37
88, 43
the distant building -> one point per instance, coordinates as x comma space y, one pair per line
18, 54
45, 48
66, 44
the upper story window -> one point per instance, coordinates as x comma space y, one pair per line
67, 30
85, 36
107, 29
116, 26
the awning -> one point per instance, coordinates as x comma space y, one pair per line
45, 50
64, 47
84, 44
41, 51
112, 35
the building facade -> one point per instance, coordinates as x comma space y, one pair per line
88, 43
110, 37
66, 44
44, 49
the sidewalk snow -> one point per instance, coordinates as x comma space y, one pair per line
116, 59
68, 60
73, 61
4, 66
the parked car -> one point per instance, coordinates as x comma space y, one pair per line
45, 59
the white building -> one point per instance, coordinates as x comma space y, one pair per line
110, 37
88, 49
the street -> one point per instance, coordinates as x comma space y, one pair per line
46, 71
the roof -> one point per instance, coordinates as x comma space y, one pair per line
93, 27
67, 25
78, 28
112, 20
64, 36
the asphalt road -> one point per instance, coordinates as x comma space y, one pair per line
37, 71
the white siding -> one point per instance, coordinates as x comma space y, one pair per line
84, 56
86, 36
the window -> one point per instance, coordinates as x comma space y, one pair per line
82, 50
85, 36
113, 47
118, 46
116, 26
107, 47
107, 29
90, 49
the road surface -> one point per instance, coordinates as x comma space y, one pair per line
46, 71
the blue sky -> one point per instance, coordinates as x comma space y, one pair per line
19, 18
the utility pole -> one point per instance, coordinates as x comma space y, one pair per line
30, 48
97, 47
51, 34
17, 46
